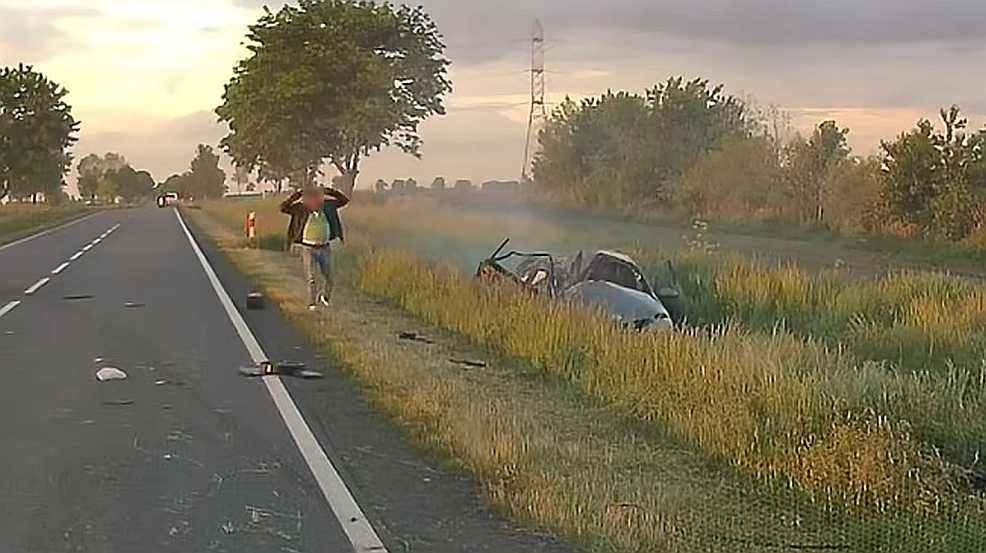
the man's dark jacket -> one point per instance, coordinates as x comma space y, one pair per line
299, 212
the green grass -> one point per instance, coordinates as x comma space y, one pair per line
20, 220
617, 442
776, 403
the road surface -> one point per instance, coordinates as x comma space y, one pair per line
185, 455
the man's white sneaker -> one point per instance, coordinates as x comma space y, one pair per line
323, 300
312, 307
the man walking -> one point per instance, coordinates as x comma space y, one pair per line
314, 225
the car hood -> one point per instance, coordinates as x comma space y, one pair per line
626, 305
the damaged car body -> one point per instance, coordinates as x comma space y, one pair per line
608, 281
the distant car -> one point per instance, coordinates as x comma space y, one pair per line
167, 200
609, 281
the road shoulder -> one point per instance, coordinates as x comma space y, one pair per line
417, 501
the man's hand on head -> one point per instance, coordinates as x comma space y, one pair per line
340, 199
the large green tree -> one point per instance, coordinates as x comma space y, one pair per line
624, 149
809, 164
129, 184
37, 131
332, 81
934, 181
205, 179
93, 171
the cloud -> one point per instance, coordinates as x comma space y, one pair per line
160, 145
33, 35
142, 85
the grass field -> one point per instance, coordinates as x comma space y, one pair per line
20, 220
865, 394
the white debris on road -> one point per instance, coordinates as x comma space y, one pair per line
110, 373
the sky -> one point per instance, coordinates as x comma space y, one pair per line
145, 75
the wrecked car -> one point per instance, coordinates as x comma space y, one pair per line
609, 281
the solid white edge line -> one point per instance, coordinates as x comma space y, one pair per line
9, 307
77, 255
61, 268
354, 523
47, 232
37, 286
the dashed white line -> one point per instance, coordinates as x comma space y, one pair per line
61, 268
9, 307
37, 286
87, 247
77, 255
352, 519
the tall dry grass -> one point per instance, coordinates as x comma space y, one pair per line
557, 461
774, 404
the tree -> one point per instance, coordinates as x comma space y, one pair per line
349, 78
852, 199
129, 184
36, 132
93, 171
690, 118
808, 164
90, 172
740, 180
623, 149
176, 183
595, 152
932, 181
270, 174
438, 183
205, 178
241, 176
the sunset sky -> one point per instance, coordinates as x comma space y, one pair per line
144, 75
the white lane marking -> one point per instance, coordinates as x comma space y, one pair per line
60, 268
97, 241
354, 523
9, 307
87, 247
77, 255
47, 232
37, 286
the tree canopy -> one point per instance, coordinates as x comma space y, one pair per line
93, 175
624, 147
111, 176
332, 81
204, 178
36, 132
935, 181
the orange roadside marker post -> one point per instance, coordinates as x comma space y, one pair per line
251, 227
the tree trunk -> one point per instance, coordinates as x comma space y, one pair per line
346, 183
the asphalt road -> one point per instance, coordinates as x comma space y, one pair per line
185, 455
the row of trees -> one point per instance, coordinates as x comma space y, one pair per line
204, 178
110, 177
36, 131
686, 146
327, 81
